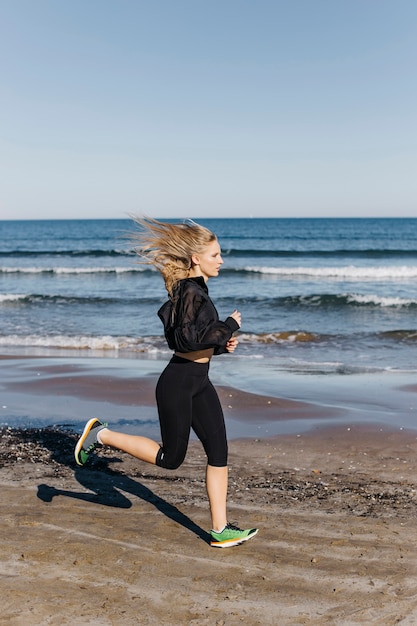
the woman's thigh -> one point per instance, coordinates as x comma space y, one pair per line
208, 424
174, 400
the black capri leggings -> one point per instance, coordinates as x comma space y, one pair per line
186, 399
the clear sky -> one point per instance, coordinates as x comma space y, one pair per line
199, 108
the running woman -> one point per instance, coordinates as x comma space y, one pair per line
186, 255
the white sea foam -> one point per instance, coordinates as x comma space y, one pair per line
347, 272
11, 297
380, 300
70, 270
82, 342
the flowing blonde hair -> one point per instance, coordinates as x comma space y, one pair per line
169, 247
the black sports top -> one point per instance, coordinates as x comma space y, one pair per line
191, 321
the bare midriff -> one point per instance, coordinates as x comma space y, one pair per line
199, 356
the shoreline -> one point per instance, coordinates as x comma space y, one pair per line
49, 391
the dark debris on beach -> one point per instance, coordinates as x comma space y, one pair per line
357, 494
51, 447
36, 445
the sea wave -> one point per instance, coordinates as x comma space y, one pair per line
347, 272
156, 343
73, 270
35, 298
399, 335
304, 336
352, 299
65, 252
289, 336
149, 345
326, 300
105, 343
365, 253
12, 297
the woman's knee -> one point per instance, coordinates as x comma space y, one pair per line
216, 449
168, 461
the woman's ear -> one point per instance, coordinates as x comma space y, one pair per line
195, 259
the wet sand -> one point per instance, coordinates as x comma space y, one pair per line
121, 542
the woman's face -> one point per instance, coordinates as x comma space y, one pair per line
209, 261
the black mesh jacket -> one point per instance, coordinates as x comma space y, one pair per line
191, 321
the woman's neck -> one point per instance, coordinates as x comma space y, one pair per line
195, 272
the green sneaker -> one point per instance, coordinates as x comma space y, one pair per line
231, 536
88, 440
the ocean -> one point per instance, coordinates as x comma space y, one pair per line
323, 298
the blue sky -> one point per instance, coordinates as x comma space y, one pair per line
233, 108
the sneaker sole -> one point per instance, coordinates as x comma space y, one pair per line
229, 543
83, 437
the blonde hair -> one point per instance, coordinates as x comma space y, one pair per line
169, 247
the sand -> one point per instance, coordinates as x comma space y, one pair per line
119, 542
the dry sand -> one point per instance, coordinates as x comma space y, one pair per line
119, 542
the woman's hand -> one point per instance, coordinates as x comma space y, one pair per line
237, 317
232, 344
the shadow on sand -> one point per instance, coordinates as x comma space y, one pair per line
104, 483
